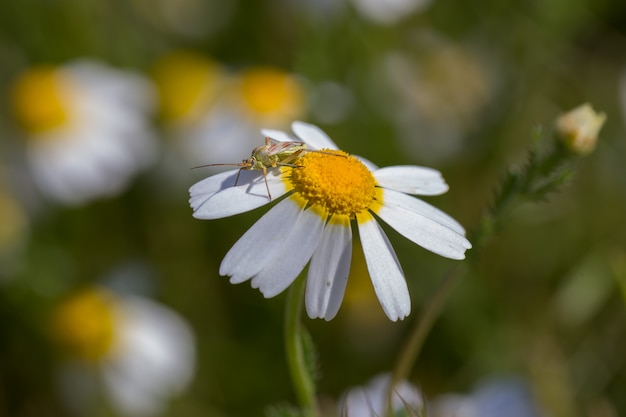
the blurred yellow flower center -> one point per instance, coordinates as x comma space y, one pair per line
85, 323
335, 181
185, 81
267, 90
37, 100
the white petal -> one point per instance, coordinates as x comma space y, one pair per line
278, 135
412, 180
328, 272
214, 183
370, 400
257, 246
397, 199
423, 224
289, 260
154, 357
384, 268
216, 197
313, 136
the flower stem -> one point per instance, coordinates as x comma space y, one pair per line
415, 341
301, 377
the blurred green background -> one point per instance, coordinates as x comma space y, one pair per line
458, 86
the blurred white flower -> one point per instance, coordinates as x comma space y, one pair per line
500, 397
387, 12
213, 113
86, 128
371, 400
143, 352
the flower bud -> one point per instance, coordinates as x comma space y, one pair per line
578, 129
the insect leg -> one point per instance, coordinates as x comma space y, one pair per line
267, 186
238, 173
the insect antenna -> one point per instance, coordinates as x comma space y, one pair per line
241, 164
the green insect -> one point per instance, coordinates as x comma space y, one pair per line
271, 155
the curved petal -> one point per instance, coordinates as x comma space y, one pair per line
384, 268
423, 224
289, 259
329, 269
278, 135
313, 136
214, 183
393, 198
257, 246
412, 180
217, 196
155, 357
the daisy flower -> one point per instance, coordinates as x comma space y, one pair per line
371, 400
86, 128
142, 352
325, 192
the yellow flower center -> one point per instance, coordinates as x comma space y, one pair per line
187, 83
38, 101
334, 181
85, 323
268, 90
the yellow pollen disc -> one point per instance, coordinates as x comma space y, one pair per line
37, 100
186, 82
268, 90
84, 324
335, 181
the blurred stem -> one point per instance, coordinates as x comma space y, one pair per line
300, 375
415, 341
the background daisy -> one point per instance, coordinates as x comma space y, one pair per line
371, 400
141, 353
86, 127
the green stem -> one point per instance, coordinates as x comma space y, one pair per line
301, 378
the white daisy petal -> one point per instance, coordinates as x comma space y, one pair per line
214, 183
154, 358
228, 200
313, 136
278, 135
412, 180
384, 268
328, 272
423, 224
393, 198
264, 239
289, 260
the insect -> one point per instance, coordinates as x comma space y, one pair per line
271, 155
